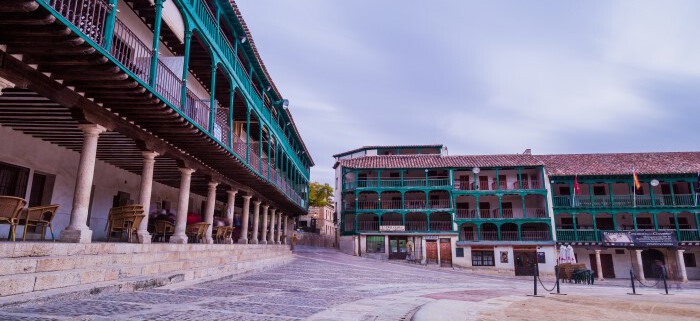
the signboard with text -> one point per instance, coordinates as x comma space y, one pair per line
640, 239
392, 228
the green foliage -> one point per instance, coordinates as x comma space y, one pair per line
320, 195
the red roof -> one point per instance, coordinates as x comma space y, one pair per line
438, 161
556, 165
622, 163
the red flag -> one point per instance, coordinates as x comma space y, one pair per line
577, 188
637, 185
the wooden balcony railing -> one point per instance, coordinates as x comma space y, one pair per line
624, 201
595, 235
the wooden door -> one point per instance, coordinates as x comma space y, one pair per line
606, 262
525, 181
445, 252
431, 255
464, 182
483, 183
525, 262
397, 247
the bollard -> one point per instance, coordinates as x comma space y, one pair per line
534, 283
556, 273
663, 276
634, 290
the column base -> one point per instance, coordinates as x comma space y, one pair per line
76, 236
178, 239
278, 242
263, 242
209, 240
144, 237
243, 241
253, 241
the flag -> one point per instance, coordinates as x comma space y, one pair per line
698, 187
577, 188
637, 185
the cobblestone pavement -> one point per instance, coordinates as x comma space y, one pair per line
317, 285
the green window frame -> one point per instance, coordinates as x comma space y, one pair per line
375, 244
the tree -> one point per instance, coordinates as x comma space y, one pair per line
320, 195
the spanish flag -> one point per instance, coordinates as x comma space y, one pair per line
637, 185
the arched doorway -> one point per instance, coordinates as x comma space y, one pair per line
649, 262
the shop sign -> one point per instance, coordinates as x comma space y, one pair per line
430, 237
392, 228
640, 239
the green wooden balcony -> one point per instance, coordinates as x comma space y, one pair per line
595, 235
625, 201
398, 183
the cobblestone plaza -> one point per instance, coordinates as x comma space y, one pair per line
326, 285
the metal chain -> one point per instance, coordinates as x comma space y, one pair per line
545, 288
646, 285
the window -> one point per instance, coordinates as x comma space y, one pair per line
375, 244
564, 190
482, 258
13, 180
689, 259
619, 251
598, 190
460, 252
42, 189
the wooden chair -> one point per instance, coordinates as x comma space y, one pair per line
220, 234
197, 231
39, 216
163, 230
10, 210
124, 219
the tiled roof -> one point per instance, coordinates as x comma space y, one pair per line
622, 163
556, 165
439, 161
249, 37
387, 146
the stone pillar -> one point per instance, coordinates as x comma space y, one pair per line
272, 227
244, 219
263, 235
681, 266
286, 231
182, 204
230, 209
78, 231
640, 266
279, 229
209, 213
256, 221
598, 266
149, 161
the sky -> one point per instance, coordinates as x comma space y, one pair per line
484, 77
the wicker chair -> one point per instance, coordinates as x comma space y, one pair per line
124, 219
223, 233
39, 216
10, 210
162, 230
197, 231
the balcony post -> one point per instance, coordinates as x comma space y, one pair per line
573, 219
520, 232
498, 229
269, 154
185, 72
379, 178
590, 194
109, 25
426, 178
247, 136
610, 192
520, 178
614, 217
427, 217
572, 194
401, 173
403, 200
546, 204
675, 221
232, 93
498, 181
156, 42
595, 227
697, 224
634, 220
656, 221
478, 232
673, 193
357, 222
651, 194
451, 174
693, 194
522, 198
212, 99
260, 144
478, 209
500, 206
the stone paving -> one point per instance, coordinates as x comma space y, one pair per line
318, 285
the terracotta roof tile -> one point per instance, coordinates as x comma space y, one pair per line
622, 163
438, 161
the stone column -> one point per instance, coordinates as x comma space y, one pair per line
78, 231
209, 213
640, 266
149, 161
286, 230
681, 266
256, 221
244, 220
272, 227
263, 235
598, 266
230, 209
182, 204
279, 229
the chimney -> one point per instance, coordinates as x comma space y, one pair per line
527, 152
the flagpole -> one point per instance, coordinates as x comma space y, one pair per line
634, 189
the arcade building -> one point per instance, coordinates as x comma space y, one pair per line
502, 213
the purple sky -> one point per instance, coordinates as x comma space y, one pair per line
484, 76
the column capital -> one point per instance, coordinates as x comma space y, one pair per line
247, 197
232, 192
681, 251
92, 129
598, 251
265, 206
186, 171
149, 155
213, 184
257, 203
